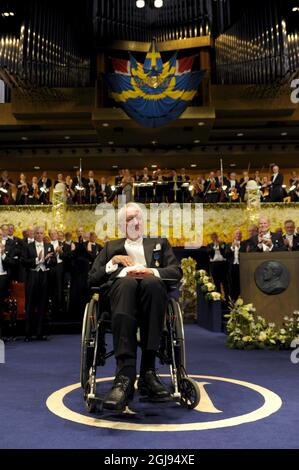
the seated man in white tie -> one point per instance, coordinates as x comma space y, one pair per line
135, 267
38, 258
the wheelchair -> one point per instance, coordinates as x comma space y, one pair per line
97, 323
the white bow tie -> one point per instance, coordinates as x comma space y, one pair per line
139, 241
40, 245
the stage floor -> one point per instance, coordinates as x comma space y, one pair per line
249, 400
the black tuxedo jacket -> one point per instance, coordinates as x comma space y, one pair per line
295, 242
277, 241
211, 251
229, 253
278, 180
160, 257
30, 255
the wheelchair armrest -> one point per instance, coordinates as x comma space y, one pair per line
100, 289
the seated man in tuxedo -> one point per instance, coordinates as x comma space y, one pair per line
266, 240
135, 267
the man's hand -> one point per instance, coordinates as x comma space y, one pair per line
267, 242
124, 260
145, 272
49, 255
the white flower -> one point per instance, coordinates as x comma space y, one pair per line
262, 336
282, 331
272, 325
296, 312
286, 318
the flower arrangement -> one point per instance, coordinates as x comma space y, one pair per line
207, 285
188, 293
246, 330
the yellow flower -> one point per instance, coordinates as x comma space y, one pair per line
262, 336
247, 339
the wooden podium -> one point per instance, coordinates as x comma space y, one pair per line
273, 307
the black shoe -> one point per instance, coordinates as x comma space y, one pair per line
42, 338
121, 393
151, 387
28, 339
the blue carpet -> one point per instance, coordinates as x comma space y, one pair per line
33, 371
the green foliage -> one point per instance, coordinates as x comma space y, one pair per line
246, 330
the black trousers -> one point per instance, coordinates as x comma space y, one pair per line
137, 303
36, 301
56, 289
219, 274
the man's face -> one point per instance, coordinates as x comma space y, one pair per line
30, 233
263, 225
134, 223
252, 231
275, 169
39, 235
4, 230
11, 230
267, 274
289, 228
60, 236
80, 232
53, 235
93, 237
214, 238
238, 235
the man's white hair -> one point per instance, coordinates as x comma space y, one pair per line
122, 212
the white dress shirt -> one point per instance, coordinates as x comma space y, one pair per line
218, 256
40, 261
135, 250
290, 239
263, 246
55, 244
236, 250
2, 270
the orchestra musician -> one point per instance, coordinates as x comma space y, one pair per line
22, 190
92, 188
160, 186
44, 185
212, 189
6, 188
184, 193
198, 189
33, 192
265, 189
79, 187
294, 194
242, 185
69, 192
276, 190
105, 191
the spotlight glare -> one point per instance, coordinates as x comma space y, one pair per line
140, 3
158, 3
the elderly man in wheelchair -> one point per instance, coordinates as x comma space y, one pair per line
137, 274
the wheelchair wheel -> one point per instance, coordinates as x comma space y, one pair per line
87, 341
177, 321
190, 394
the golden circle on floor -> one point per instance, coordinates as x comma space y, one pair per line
272, 403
